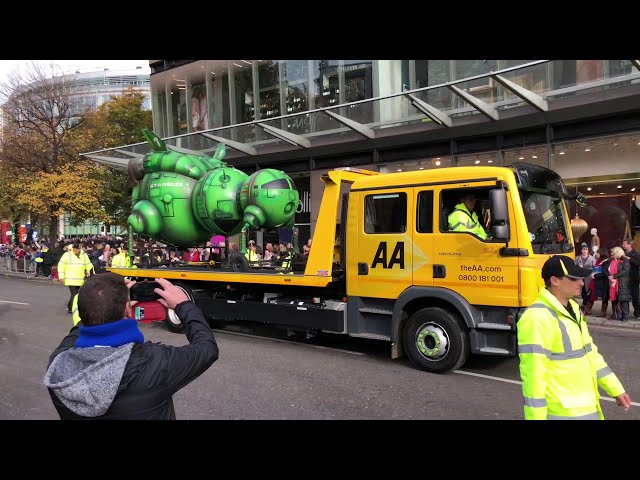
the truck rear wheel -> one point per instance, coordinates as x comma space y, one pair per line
435, 340
174, 324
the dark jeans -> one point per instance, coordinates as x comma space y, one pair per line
74, 290
46, 269
585, 295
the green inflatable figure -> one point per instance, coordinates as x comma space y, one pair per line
184, 199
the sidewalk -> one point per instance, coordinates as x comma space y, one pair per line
631, 322
4, 272
591, 319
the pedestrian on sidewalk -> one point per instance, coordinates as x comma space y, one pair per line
634, 274
585, 260
47, 260
600, 280
619, 286
560, 366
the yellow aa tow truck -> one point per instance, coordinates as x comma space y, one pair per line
396, 272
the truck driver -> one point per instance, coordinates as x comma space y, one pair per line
464, 219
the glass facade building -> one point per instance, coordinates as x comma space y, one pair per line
92, 89
578, 117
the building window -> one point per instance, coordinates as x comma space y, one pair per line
485, 159
197, 93
268, 89
243, 94
297, 85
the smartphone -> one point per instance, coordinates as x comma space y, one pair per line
143, 291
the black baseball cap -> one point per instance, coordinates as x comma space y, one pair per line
563, 266
75, 245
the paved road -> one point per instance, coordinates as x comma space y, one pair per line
330, 377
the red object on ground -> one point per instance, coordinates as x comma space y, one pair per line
147, 312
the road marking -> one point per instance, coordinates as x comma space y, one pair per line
17, 303
473, 374
620, 329
351, 352
487, 376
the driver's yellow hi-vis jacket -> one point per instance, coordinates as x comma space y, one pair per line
560, 366
462, 220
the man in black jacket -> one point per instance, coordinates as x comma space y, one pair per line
47, 260
56, 253
104, 370
97, 262
634, 274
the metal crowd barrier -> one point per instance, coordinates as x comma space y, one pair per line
19, 265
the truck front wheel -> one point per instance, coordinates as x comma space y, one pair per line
174, 324
435, 340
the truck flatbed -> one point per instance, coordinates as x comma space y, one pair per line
206, 273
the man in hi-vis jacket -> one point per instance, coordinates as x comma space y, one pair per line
560, 366
74, 266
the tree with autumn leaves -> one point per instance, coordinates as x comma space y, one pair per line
41, 170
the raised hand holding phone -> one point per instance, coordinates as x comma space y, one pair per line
171, 295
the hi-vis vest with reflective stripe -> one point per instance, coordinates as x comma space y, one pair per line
560, 366
461, 220
251, 256
74, 310
121, 260
72, 268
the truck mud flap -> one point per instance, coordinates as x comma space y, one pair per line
271, 313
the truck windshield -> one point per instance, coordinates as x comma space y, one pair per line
544, 213
542, 193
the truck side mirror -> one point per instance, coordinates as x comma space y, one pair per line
499, 214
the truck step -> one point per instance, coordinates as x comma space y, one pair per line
494, 326
374, 336
495, 351
381, 311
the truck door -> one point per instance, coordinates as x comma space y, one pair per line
384, 243
423, 236
465, 263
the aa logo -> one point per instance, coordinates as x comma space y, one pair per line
397, 256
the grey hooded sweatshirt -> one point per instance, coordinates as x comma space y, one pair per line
86, 380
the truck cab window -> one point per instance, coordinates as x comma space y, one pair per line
385, 213
465, 211
424, 212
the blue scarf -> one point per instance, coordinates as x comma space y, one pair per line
113, 334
